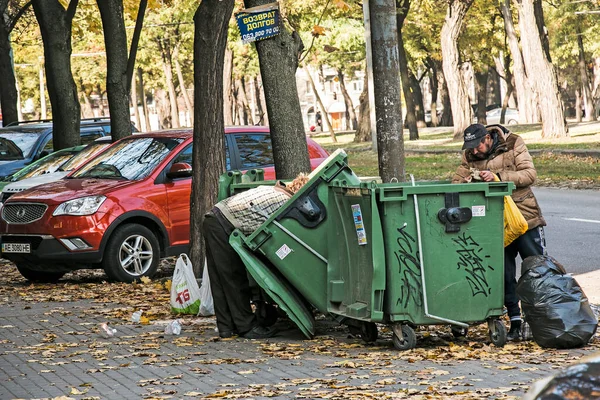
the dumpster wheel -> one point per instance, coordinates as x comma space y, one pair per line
497, 332
408, 339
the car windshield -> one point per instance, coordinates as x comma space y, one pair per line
46, 165
84, 156
15, 145
130, 159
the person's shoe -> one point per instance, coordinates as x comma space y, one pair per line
260, 332
227, 334
515, 331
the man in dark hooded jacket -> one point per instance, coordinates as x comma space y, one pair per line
495, 150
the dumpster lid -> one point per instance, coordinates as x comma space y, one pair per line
277, 288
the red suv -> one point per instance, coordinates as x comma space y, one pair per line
123, 210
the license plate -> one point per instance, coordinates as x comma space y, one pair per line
16, 248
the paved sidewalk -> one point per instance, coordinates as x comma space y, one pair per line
54, 349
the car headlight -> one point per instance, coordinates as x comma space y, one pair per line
82, 206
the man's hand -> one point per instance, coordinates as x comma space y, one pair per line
486, 176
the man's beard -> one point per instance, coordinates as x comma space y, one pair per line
480, 156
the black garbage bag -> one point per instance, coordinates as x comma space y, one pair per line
554, 305
579, 381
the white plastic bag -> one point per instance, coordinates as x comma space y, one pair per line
207, 306
185, 293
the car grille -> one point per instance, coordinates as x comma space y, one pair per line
23, 213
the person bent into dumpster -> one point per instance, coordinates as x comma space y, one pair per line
229, 284
495, 150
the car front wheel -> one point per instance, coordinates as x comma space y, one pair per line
132, 252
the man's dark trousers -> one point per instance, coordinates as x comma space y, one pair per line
531, 243
228, 278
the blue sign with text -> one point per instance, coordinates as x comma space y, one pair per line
258, 23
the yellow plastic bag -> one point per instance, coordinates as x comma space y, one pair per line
514, 222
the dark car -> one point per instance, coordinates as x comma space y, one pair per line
125, 208
24, 142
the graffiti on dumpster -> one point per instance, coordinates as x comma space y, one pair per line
409, 268
470, 259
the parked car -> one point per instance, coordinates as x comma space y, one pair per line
46, 172
124, 209
510, 118
44, 165
24, 142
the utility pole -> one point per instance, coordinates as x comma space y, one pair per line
386, 85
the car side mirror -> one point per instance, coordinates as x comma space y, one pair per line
180, 170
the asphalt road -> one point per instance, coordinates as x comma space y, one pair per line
573, 231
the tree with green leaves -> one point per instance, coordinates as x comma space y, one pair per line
402, 8
211, 23
8, 87
462, 113
278, 58
539, 66
573, 31
55, 23
120, 65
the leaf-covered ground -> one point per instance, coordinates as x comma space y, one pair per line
334, 365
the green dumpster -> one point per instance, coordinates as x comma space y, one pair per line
403, 254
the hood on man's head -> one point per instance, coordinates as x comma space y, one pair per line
473, 135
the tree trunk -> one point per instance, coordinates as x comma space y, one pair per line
503, 71
117, 84
446, 119
526, 97
259, 112
165, 51
386, 85
494, 85
363, 132
184, 93
55, 26
351, 122
8, 88
417, 96
86, 110
142, 94
462, 114
228, 88
241, 118
134, 103
243, 98
433, 84
264, 117
538, 11
481, 89
545, 82
210, 39
278, 58
590, 113
402, 7
578, 105
325, 116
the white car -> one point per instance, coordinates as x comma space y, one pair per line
510, 118
74, 162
